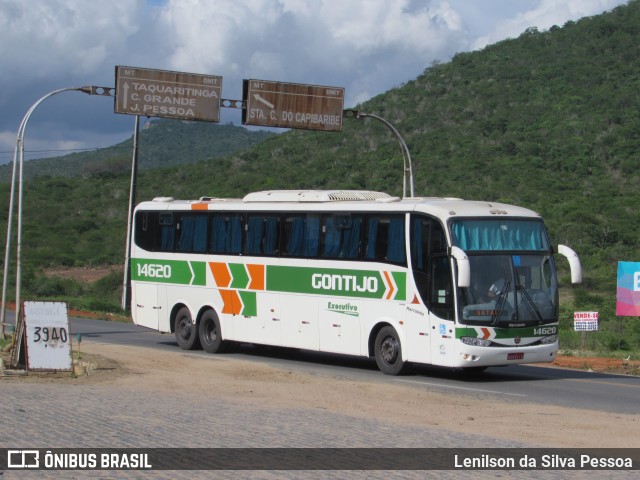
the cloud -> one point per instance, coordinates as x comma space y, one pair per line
71, 37
365, 46
543, 16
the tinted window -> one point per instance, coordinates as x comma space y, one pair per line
226, 234
261, 236
385, 239
341, 236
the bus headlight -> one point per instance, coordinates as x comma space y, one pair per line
475, 341
549, 339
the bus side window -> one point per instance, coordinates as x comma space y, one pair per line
253, 235
384, 239
302, 235
226, 234
261, 236
167, 232
271, 238
145, 223
341, 236
192, 233
396, 245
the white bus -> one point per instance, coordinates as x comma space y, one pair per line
442, 281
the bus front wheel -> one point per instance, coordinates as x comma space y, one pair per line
211, 333
388, 352
185, 330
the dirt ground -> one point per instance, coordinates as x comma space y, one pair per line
599, 364
251, 382
83, 274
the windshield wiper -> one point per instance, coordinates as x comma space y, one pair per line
502, 300
530, 304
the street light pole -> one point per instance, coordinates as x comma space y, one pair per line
18, 162
126, 287
406, 156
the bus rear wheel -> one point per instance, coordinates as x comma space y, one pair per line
211, 333
185, 330
388, 352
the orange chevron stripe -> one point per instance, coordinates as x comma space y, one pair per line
485, 333
390, 283
221, 274
232, 302
256, 274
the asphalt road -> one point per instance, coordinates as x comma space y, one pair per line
536, 384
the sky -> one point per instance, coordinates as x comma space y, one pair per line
365, 46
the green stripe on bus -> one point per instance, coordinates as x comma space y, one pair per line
240, 278
169, 271
502, 333
401, 284
250, 304
335, 282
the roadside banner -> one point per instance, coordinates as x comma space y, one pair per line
585, 321
628, 291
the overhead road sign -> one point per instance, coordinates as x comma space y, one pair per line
162, 93
292, 105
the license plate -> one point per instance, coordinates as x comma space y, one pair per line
515, 356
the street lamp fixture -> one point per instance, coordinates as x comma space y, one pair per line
406, 156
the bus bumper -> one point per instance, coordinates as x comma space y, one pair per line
472, 356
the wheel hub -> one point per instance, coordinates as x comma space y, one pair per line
389, 350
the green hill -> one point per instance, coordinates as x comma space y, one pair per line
549, 121
162, 143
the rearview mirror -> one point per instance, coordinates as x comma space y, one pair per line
464, 268
574, 263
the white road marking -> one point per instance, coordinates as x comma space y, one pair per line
462, 388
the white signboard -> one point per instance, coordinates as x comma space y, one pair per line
48, 337
585, 321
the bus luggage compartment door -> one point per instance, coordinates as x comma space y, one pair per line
146, 304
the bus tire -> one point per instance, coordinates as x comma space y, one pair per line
210, 333
388, 351
186, 331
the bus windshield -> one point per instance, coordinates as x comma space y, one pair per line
510, 290
513, 281
499, 234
